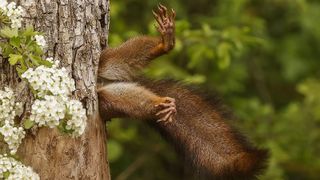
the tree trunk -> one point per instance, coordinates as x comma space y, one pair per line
75, 31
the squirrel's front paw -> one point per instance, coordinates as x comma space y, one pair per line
167, 111
166, 26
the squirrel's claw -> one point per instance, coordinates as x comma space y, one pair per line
167, 118
168, 110
173, 109
165, 19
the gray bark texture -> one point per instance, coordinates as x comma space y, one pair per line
75, 32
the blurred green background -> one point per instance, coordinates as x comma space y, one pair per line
261, 56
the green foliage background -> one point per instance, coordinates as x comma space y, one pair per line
262, 56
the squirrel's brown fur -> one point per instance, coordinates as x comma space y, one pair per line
204, 137
197, 128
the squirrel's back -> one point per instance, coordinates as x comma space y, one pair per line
205, 138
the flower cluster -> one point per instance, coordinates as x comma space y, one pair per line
12, 136
7, 104
53, 87
9, 109
40, 41
51, 111
13, 12
48, 111
11, 169
49, 81
77, 119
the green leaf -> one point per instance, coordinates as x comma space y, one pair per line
3, 44
6, 174
29, 31
4, 20
34, 48
62, 127
20, 70
23, 66
36, 60
7, 32
6, 50
28, 124
34, 92
46, 63
15, 42
14, 58
38, 50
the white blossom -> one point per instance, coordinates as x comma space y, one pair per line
8, 110
50, 59
13, 12
3, 4
6, 130
78, 119
8, 107
12, 136
16, 169
41, 41
7, 102
48, 112
51, 110
55, 63
49, 81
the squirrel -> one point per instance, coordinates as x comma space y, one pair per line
197, 128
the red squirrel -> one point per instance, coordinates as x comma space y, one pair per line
197, 128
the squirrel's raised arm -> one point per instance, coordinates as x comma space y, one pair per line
129, 99
123, 62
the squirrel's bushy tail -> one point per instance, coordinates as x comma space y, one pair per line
205, 138
250, 163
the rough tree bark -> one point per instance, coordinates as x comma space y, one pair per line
75, 31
